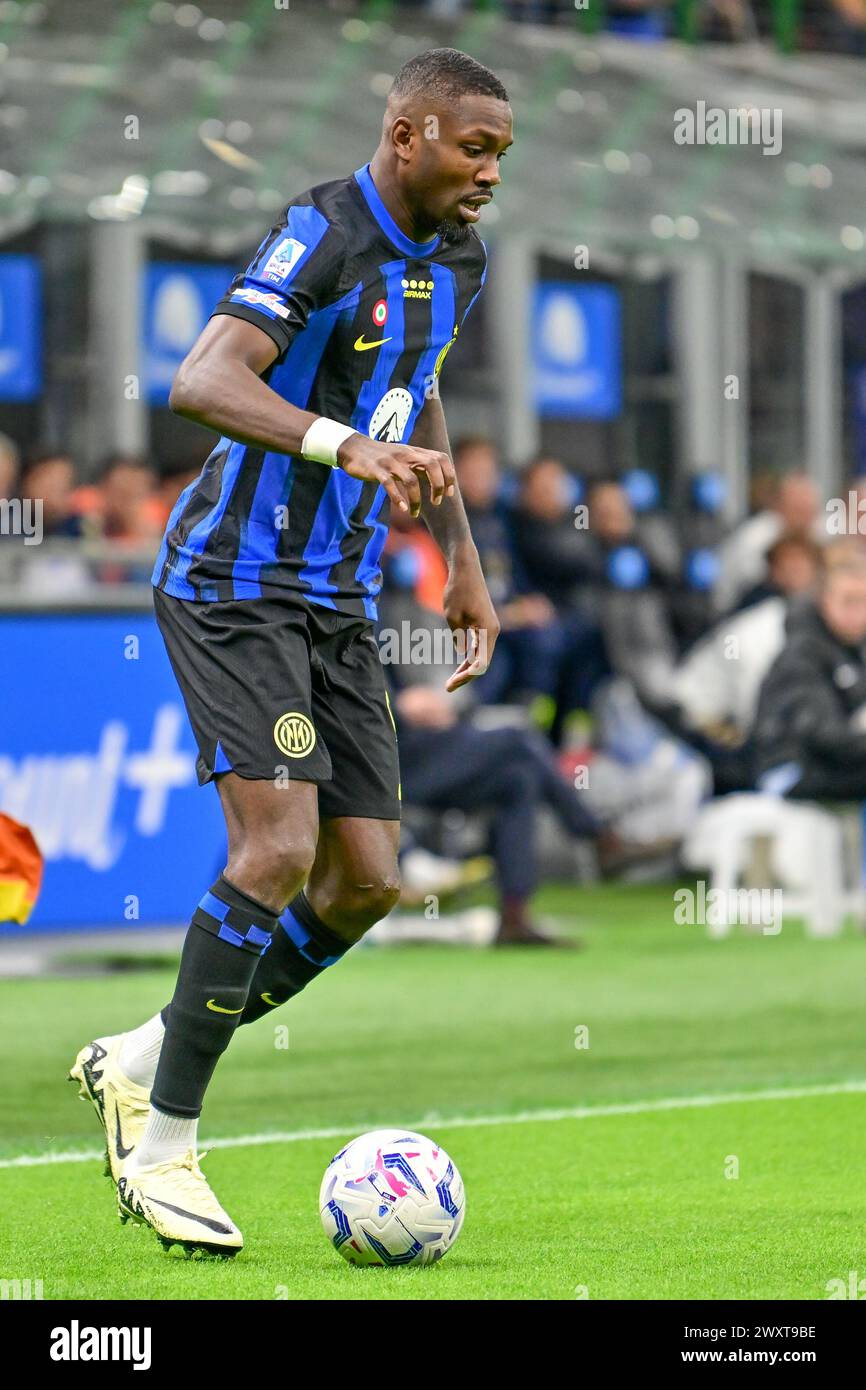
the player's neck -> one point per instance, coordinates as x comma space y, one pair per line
388, 191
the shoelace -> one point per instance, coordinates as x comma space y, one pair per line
193, 1185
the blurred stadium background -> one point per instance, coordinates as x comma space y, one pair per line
661, 388
671, 350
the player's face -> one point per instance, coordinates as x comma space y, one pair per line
843, 605
458, 159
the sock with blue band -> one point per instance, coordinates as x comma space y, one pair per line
301, 948
229, 934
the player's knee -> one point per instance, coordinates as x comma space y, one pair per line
276, 864
359, 905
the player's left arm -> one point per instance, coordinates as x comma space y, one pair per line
467, 603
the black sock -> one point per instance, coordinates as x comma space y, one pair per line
301, 948
223, 947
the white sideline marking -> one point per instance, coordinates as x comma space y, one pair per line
521, 1117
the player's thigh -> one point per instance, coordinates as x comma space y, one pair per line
260, 810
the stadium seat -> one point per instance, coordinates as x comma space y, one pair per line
814, 854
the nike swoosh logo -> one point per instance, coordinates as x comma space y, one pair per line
271, 1003
217, 1009
192, 1216
361, 346
118, 1139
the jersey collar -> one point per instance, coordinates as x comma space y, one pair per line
399, 239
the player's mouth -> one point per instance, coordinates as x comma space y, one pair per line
471, 207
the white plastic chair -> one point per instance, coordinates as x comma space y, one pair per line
816, 856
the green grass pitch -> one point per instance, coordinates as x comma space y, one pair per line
638, 1204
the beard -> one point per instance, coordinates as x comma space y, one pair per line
454, 232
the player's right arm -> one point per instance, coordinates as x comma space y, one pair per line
219, 385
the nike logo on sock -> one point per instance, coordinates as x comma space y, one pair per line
218, 1009
271, 1003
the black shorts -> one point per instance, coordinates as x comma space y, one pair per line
280, 688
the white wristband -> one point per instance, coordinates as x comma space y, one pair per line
323, 439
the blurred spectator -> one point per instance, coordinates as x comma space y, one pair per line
600, 572
810, 731
716, 687
794, 508
448, 762
540, 651
9, 464
50, 477
123, 504
553, 550
413, 561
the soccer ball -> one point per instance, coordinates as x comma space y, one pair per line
392, 1198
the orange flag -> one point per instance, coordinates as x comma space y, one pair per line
20, 871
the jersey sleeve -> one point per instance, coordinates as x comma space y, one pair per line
295, 271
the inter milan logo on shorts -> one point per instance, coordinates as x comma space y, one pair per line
294, 735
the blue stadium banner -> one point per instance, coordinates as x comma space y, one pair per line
97, 759
20, 328
178, 299
576, 350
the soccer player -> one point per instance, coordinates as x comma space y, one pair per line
319, 370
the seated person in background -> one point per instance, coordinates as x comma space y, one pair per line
716, 686
629, 592
123, 504
50, 570
446, 762
413, 561
793, 509
123, 508
554, 552
539, 651
50, 477
810, 730
9, 462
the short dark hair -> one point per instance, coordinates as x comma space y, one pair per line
107, 465
36, 457
465, 442
447, 74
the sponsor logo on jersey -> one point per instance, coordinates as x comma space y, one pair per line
294, 735
391, 416
417, 289
283, 260
267, 301
361, 346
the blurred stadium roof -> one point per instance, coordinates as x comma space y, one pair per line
240, 105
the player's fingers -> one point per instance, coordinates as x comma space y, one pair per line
394, 489
462, 676
431, 466
411, 486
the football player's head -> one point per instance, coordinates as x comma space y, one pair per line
447, 125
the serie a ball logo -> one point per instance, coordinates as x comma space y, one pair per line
294, 735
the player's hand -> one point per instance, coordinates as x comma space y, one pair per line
399, 468
469, 609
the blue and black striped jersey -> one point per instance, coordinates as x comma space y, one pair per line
363, 318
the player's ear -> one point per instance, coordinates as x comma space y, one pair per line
402, 132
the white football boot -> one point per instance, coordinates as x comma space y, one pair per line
121, 1105
175, 1200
